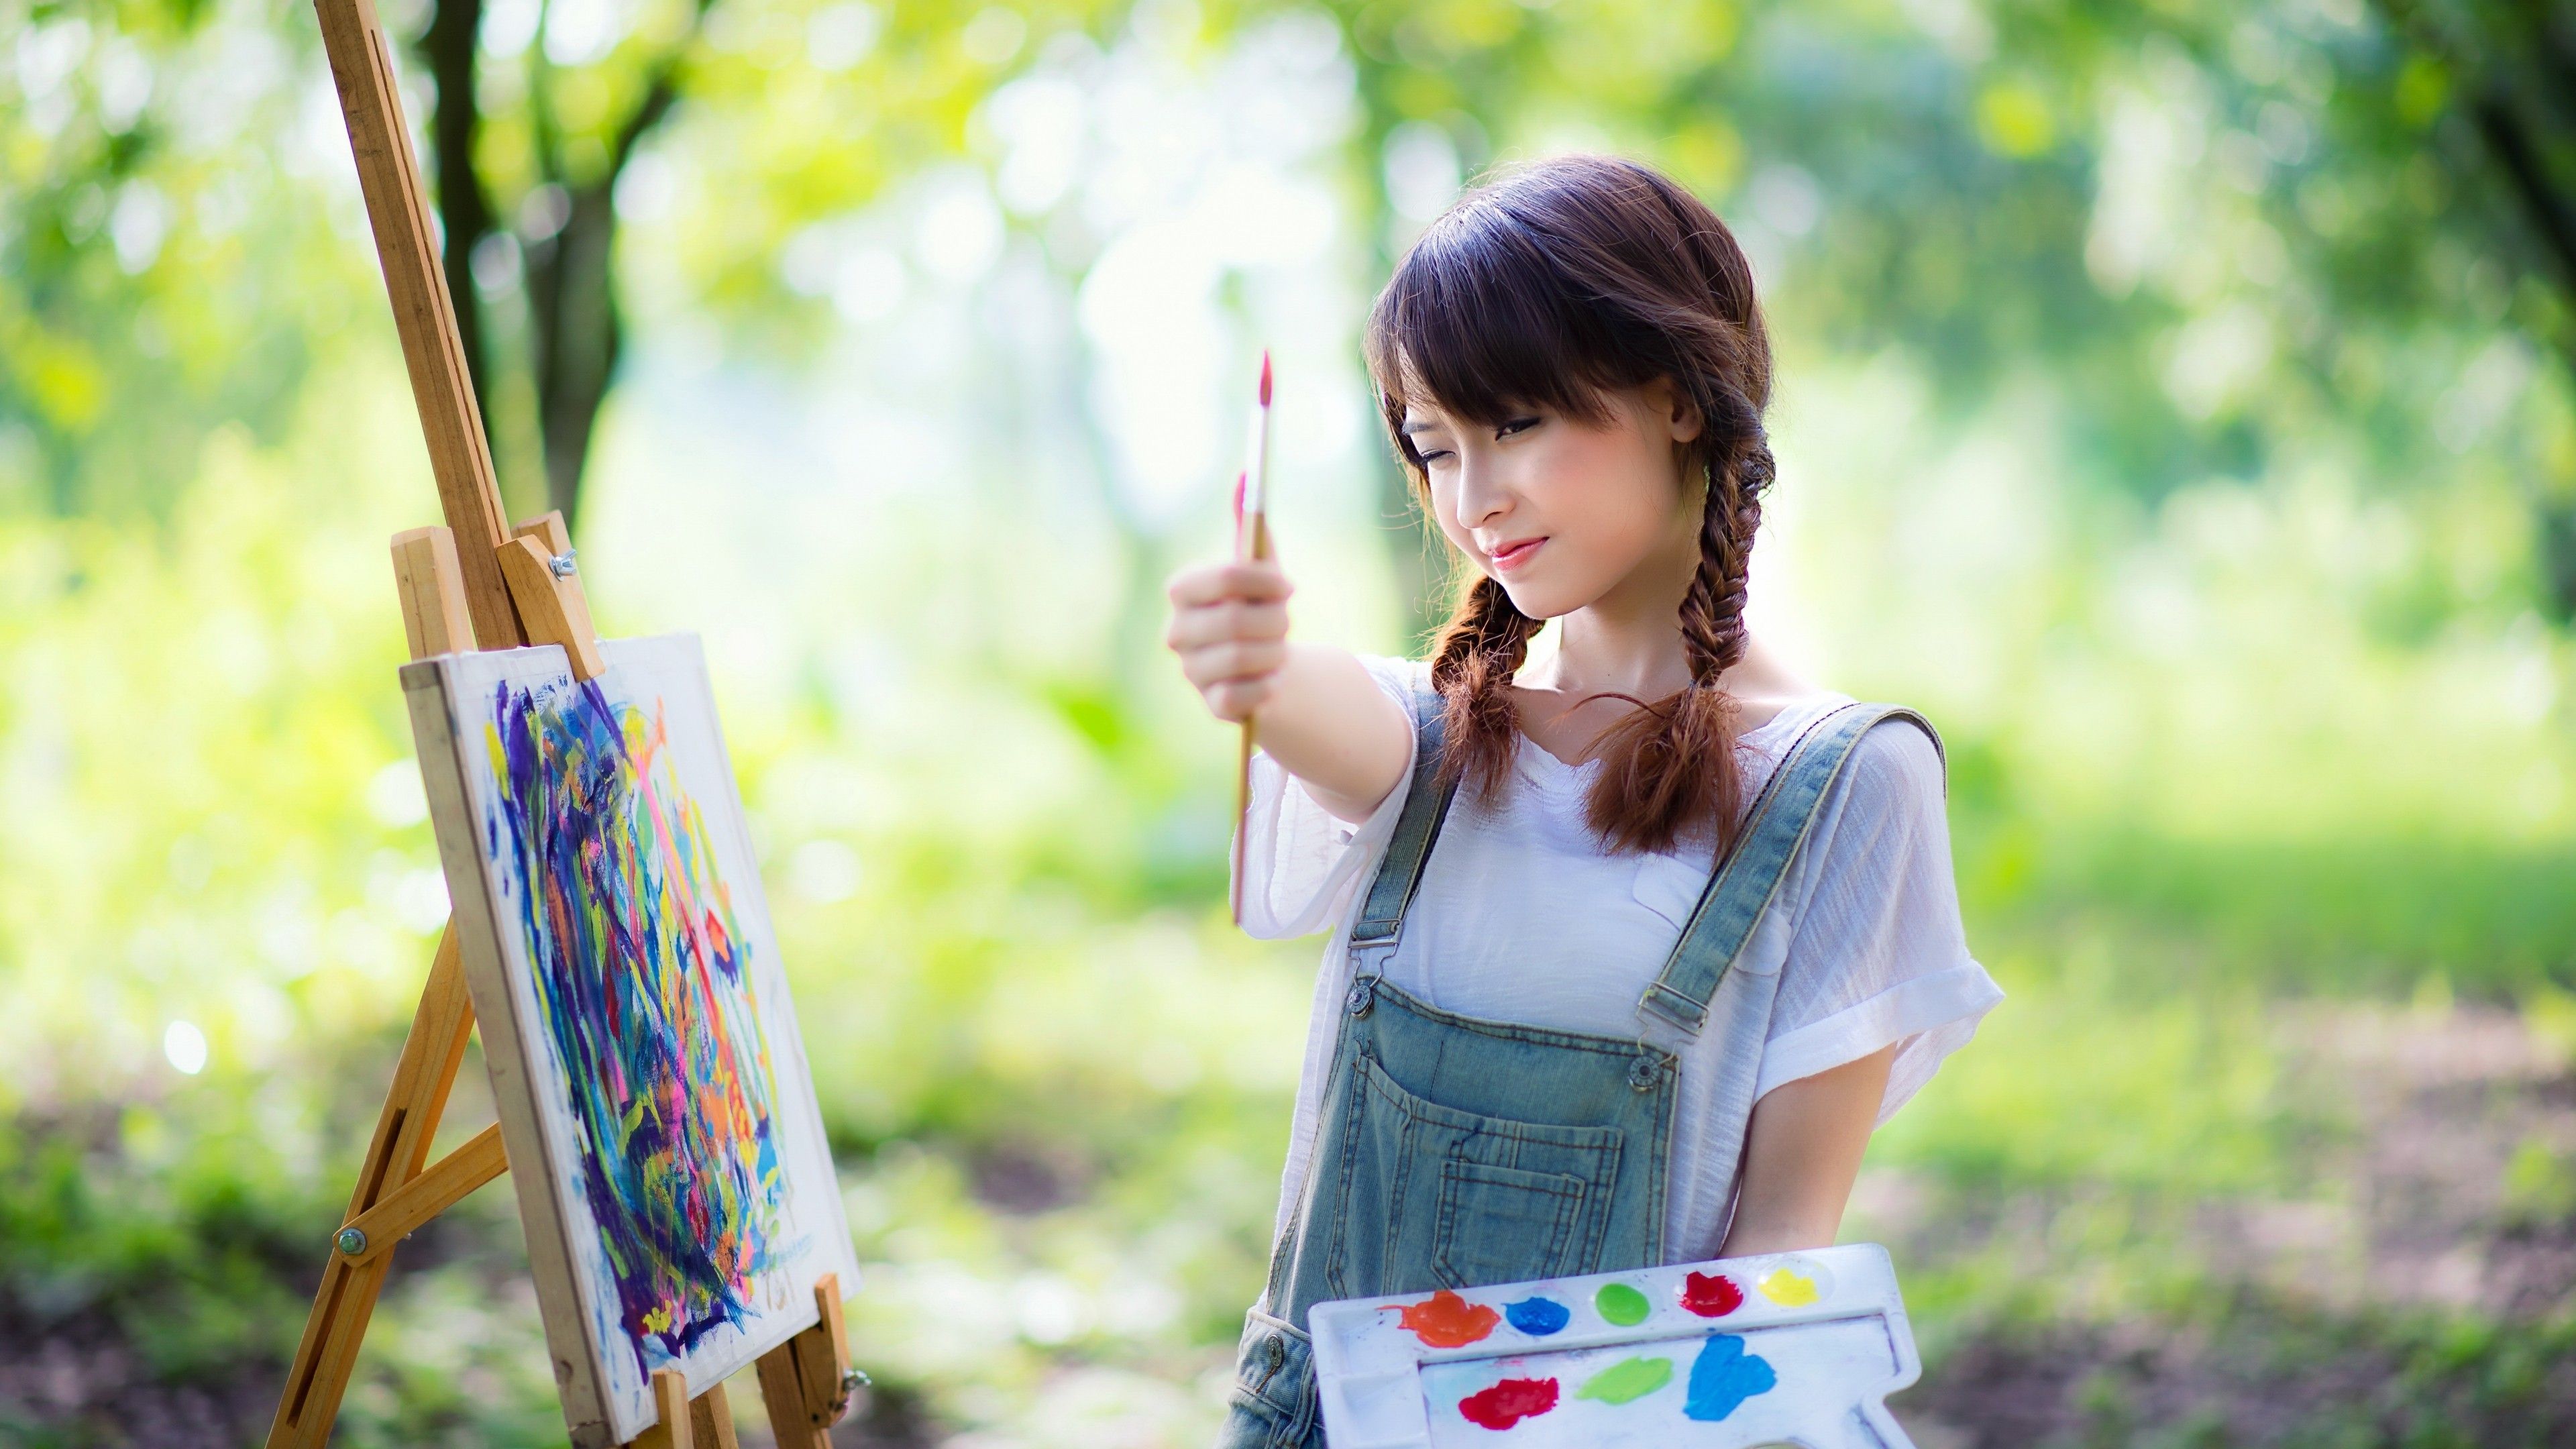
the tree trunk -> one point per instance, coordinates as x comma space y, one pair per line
464, 212
2516, 74
575, 335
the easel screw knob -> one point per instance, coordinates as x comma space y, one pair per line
853, 1380
561, 564
351, 1241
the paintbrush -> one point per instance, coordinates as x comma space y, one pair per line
1251, 544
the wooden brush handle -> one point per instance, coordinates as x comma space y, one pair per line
1259, 550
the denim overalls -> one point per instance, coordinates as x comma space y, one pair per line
1452, 1151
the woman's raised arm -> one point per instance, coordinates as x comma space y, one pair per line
1314, 708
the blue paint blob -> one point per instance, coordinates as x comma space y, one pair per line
1538, 1317
1724, 1376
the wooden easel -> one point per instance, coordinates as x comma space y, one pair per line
475, 583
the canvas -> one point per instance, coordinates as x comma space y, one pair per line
654, 1097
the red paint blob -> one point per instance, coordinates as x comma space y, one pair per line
1711, 1295
1445, 1320
1509, 1402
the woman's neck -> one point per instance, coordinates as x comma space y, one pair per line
1598, 652
1627, 641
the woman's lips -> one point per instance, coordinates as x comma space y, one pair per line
1517, 554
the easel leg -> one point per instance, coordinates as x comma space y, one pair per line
805, 1382
422, 1077
711, 1420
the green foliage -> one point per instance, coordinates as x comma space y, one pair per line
158, 290
2158, 410
180, 1242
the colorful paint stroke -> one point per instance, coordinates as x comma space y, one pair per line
1788, 1289
1627, 1381
1508, 1402
1711, 1295
1538, 1317
1724, 1376
641, 990
1445, 1320
1622, 1304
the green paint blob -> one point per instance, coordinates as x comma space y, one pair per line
1621, 1304
1628, 1379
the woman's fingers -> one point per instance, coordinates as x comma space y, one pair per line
1233, 662
1206, 624
1234, 700
1261, 582
1230, 629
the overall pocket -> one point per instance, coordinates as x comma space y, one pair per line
1494, 1222
1433, 1197
1273, 1403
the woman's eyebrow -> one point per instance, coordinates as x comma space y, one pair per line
1412, 426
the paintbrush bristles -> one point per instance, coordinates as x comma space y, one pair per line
1257, 494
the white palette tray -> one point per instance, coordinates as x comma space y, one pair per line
1790, 1348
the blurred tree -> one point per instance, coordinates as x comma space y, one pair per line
2506, 72
2209, 229
581, 126
152, 288
2203, 230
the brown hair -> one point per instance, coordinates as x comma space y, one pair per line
1549, 286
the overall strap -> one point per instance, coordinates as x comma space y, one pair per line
1742, 888
1426, 804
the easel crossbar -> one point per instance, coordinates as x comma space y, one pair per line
367, 1236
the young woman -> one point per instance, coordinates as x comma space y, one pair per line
1637, 941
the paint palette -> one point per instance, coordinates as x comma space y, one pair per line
1792, 1348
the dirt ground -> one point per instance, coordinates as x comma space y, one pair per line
2421, 1290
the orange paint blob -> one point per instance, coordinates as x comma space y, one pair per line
1445, 1320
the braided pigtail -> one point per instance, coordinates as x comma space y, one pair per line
1672, 764
1472, 664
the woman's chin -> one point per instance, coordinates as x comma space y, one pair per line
1537, 601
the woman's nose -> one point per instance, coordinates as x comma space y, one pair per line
1481, 495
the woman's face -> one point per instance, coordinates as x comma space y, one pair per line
1564, 512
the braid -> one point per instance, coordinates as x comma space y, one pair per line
1738, 470
1676, 761
1472, 664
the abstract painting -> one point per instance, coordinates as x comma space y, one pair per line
653, 1090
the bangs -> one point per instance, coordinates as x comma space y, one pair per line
1480, 322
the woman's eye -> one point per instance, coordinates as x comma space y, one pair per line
1432, 457
1516, 425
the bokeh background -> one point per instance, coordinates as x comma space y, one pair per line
2175, 404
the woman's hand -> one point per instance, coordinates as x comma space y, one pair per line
1313, 708
1230, 629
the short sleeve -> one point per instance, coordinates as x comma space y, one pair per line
1877, 954
1302, 864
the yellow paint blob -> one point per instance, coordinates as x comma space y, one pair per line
1788, 1289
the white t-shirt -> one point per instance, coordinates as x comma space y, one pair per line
1521, 917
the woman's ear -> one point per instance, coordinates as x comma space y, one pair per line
1681, 417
